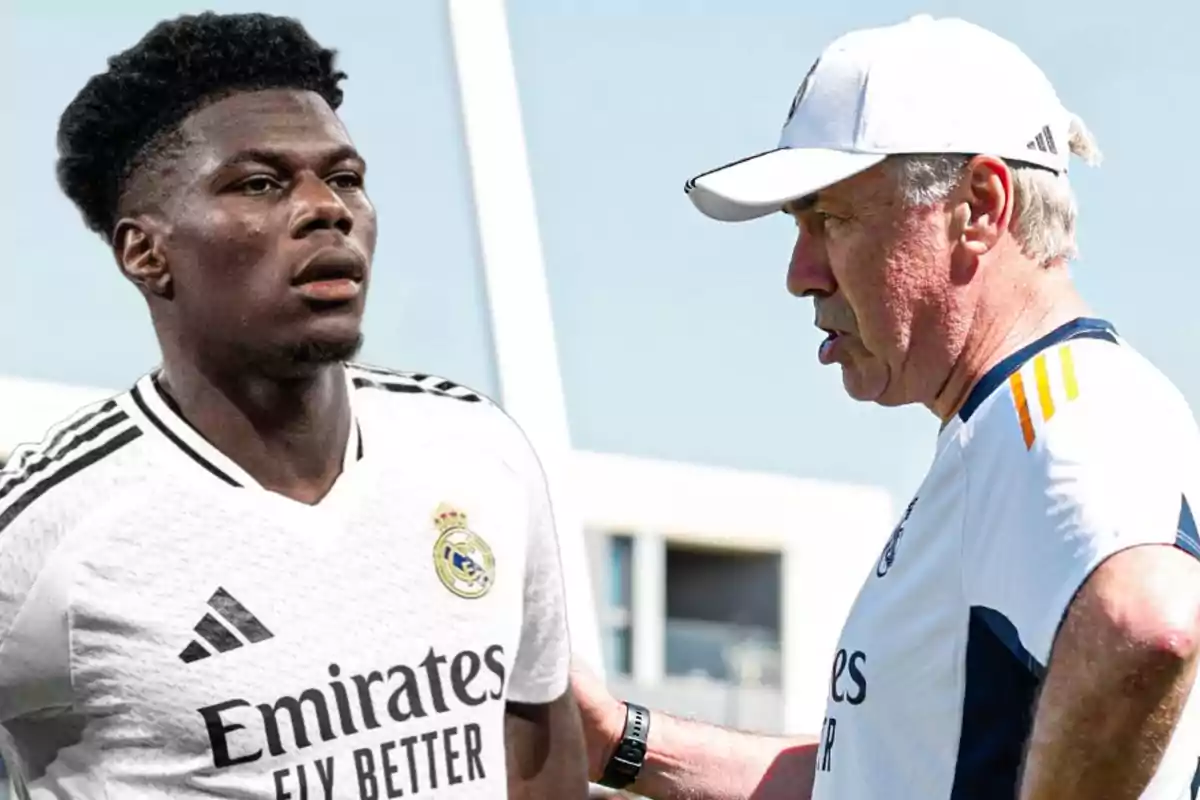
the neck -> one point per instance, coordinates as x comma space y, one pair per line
289, 435
997, 331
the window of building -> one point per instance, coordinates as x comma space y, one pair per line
723, 615
617, 619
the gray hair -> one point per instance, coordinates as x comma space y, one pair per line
1044, 206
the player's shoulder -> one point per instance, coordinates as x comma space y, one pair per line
405, 401
1081, 394
1083, 437
420, 393
47, 486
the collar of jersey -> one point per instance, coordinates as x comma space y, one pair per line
1078, 328
161, 410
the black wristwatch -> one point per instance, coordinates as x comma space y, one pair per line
626, 762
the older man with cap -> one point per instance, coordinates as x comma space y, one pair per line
1030, 629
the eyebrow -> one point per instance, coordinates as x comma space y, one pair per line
279, 160
800, 204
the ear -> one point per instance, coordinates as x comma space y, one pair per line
985, 205
137, 245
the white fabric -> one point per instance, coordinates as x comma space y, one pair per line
922, 86
384, 667
935, 678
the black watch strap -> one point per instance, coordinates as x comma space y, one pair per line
626, 762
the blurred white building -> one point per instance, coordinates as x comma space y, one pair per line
720, 593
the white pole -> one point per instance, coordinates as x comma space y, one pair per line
518, 300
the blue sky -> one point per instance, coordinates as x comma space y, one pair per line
676, 335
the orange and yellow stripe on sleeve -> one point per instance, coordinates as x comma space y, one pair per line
1042, 400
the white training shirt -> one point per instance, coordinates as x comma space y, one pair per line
170, 629
1067, 452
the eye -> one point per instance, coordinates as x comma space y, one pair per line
346, 181
258, 185
828, 221
812, 222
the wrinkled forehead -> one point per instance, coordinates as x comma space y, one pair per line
300, 124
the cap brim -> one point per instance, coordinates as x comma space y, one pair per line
763, 184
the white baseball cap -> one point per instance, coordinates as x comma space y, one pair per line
923, 86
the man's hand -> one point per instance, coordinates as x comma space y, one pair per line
545, 751
691, 760
1120, 672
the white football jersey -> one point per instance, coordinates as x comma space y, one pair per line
170, 629
1069, 451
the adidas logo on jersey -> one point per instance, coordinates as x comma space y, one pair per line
219, 631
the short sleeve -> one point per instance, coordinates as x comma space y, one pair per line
541, 667
34, 634
38, 513
1105, 477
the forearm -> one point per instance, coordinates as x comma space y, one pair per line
545, 751
694, 761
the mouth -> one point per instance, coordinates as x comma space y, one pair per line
332, 275
827, 350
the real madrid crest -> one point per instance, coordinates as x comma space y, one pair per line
462, 559
888, 557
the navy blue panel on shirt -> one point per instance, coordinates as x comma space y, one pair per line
1002, 680
1186, 537
1080, 328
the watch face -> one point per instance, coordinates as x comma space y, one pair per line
631, 752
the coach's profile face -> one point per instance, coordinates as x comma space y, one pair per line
260, 249
891, 280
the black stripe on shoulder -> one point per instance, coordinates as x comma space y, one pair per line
136, 394
73, 468
29, 451
31, 467
466, 396
108, 407
389, 374
407, 388
411, 383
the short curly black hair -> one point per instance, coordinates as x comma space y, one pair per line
123, 118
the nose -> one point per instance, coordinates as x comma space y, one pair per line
317, 206
808, 271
